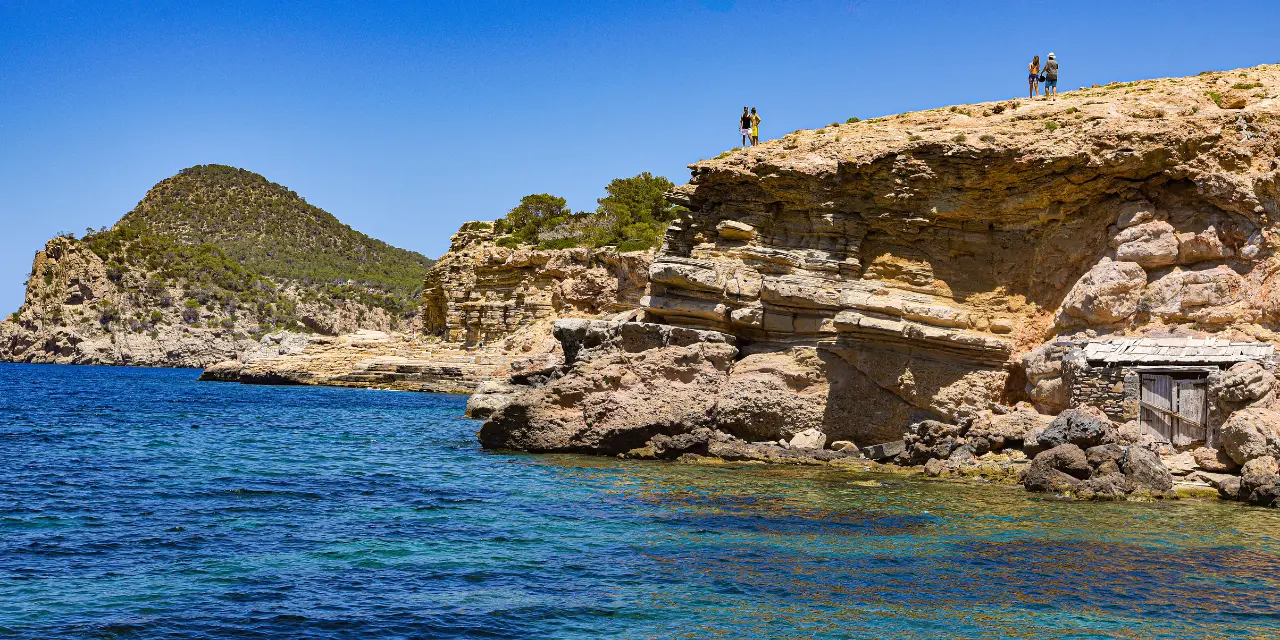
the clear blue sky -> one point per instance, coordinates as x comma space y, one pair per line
405, 119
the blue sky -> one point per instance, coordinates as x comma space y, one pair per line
405, 119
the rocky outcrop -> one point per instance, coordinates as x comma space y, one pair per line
80, 311
631, 381
923, 266
480, 292
1251, 433
487, 313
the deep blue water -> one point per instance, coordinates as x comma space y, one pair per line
139, 503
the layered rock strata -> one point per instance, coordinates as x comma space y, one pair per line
487, 312
480, 292
79, 311
868, 276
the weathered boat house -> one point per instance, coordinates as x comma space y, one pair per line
1169, 384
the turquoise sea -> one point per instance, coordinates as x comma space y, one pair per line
139, 503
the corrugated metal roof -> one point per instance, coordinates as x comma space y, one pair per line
1174, 351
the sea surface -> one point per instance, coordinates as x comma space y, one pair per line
139, 503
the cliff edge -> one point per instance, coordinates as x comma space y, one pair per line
870, 275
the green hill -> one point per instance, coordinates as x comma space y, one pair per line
232, 239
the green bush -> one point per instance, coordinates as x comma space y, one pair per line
634, 213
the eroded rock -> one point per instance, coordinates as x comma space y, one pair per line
1251, 433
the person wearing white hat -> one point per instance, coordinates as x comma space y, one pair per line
1051, 77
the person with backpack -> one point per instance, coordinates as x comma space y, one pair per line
1033, 78
744, 126
1051, 77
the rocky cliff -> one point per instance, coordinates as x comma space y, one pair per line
866, 276
480, 292
486, 313
213, 264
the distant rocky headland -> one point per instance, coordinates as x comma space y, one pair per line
214, 263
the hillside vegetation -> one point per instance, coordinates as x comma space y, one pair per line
232, 240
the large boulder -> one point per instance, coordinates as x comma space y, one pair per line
928, 440
1006, 430
1043, 368
1105, 458
1058, 469
1144, 473
1251, 433
1246, 382
1150, 244
1214, 460
1208, 295
628, 382
1107, 294
1083, 426
774, 396
1259, 482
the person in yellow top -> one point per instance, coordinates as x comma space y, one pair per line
755, 127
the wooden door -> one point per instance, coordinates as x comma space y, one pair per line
1157, 404
1189, 405
1174, 409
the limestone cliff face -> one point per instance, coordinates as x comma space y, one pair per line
480, 293
80, 311
900, 267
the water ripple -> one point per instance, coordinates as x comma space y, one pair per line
328, 513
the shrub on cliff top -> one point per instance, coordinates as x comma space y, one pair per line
633, 215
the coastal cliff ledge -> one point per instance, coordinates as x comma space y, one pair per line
866, 277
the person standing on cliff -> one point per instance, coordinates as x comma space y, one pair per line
755, 127
1033, 77
1051, 77
744, 126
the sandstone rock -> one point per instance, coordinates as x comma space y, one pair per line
934, 468
480, 294
617, 394
1150, 245
1043, 367
1258, 481
1107, 294
1200, 247
1214, 460
1083, 426
1246, 382
1251, 433
227, 371
1180, 464
1006, 430
885, 451
771, 396
1204, 294
489, 397
1229, 488
1144, 473
734, 230
1233, 99
1031, 442
809, 439
1135, 213
1133, 433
